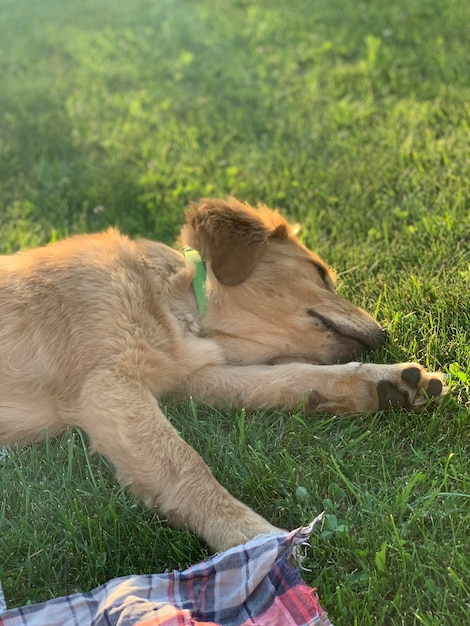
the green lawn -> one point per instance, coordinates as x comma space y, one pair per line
351, 117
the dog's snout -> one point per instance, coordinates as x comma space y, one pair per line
367, 341
324, 321
369, 333
372, 336
378, 338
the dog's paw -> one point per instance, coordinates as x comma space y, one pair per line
371, 387
226, 532
408, 386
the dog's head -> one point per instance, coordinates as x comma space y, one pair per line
271, 300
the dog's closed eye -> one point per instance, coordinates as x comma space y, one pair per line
324, 275
321, 270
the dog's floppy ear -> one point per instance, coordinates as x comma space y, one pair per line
229, 235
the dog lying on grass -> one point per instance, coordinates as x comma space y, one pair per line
96, 328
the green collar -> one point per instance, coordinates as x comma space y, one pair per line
199, 280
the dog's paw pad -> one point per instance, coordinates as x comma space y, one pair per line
390, 397
434, 388
411, 376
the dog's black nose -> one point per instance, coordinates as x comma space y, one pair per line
380, 337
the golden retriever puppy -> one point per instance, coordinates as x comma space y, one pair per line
96, 328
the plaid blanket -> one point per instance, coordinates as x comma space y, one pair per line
254, 584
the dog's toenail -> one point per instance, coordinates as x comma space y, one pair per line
411, 376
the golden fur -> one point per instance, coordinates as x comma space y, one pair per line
96, 328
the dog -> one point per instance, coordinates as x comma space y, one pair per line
95, 329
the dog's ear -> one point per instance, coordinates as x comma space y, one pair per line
230, 236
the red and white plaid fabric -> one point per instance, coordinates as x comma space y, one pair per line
251, 585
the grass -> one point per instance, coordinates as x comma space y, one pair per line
352, 118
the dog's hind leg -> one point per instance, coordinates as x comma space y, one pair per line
125, 424
25, 415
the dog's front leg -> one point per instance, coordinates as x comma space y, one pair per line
349, 388
125, 424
